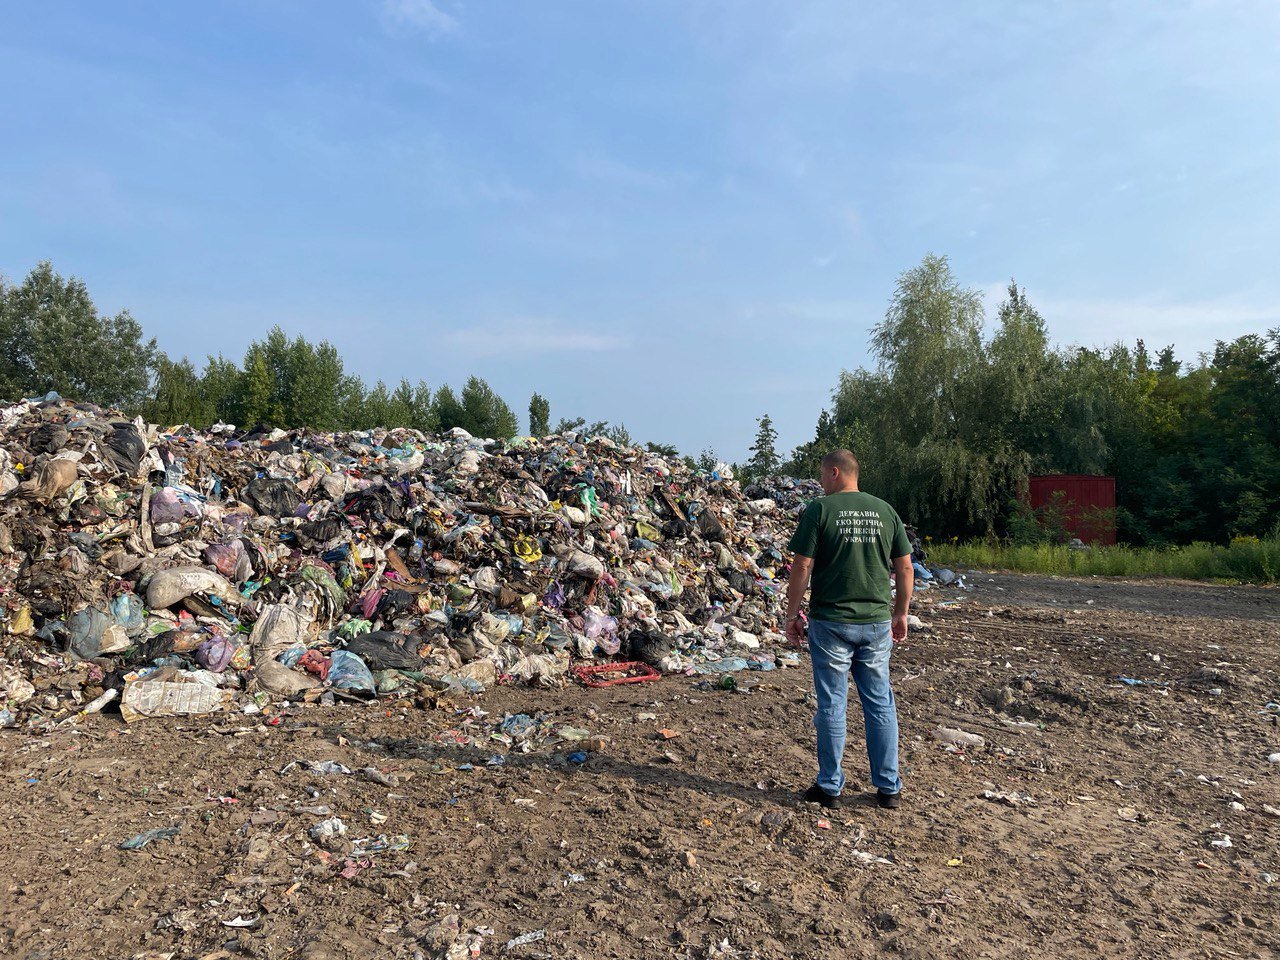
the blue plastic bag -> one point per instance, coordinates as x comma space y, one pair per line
129, 612
349, 672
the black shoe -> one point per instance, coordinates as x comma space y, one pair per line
888, 801
815, 794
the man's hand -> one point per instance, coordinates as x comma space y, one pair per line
905, 581
795, 632
801, 568
899, 627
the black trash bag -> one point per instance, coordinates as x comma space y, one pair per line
272, 496
675, 530
710, 527
48, 438
274, 592
384, 650
381, 503
153, 648
280, 446
319, 532
703, 613
719, 589
124, 447
648, 646
397, 603
742, 582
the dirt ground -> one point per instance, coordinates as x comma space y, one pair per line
1096, 840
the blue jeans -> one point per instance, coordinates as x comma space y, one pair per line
863, 648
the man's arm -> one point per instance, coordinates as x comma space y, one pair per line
905, 580
801, 568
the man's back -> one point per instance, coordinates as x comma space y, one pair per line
852, 538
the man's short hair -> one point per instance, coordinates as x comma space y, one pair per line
843, 460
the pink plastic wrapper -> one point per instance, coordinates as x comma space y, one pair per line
369, 602
166, 507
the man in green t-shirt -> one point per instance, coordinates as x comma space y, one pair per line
848, 541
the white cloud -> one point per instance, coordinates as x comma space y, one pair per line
421, 15
527, 335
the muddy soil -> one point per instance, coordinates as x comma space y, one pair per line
1179, 598
1092, 822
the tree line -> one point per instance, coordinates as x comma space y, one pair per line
55, 339
951, 421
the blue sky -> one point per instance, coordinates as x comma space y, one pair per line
676, 214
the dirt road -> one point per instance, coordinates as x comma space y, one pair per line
1086, 826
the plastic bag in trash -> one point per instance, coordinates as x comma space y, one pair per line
229, 559
272, 496
92, 633
124, 448
216, 653
596, 623
279, 627
128, 611
649, 646
349, 672
710, 527
384, 650
166, 506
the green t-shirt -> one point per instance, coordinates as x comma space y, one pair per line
852, 538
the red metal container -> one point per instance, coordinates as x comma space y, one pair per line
1089, 504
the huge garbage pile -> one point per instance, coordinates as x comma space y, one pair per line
185, 572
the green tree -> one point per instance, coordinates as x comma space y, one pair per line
354, 393
314, 381
764, 460
929, 343
259, 403
448, 409
539, 415
221, 385
421, 413
478, 410
487, 411
620, 435
376, 411
53, 338
912, 422
1236, 440
177, 397
1011, 397
293, 383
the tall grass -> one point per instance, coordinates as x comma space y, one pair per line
1246, 560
